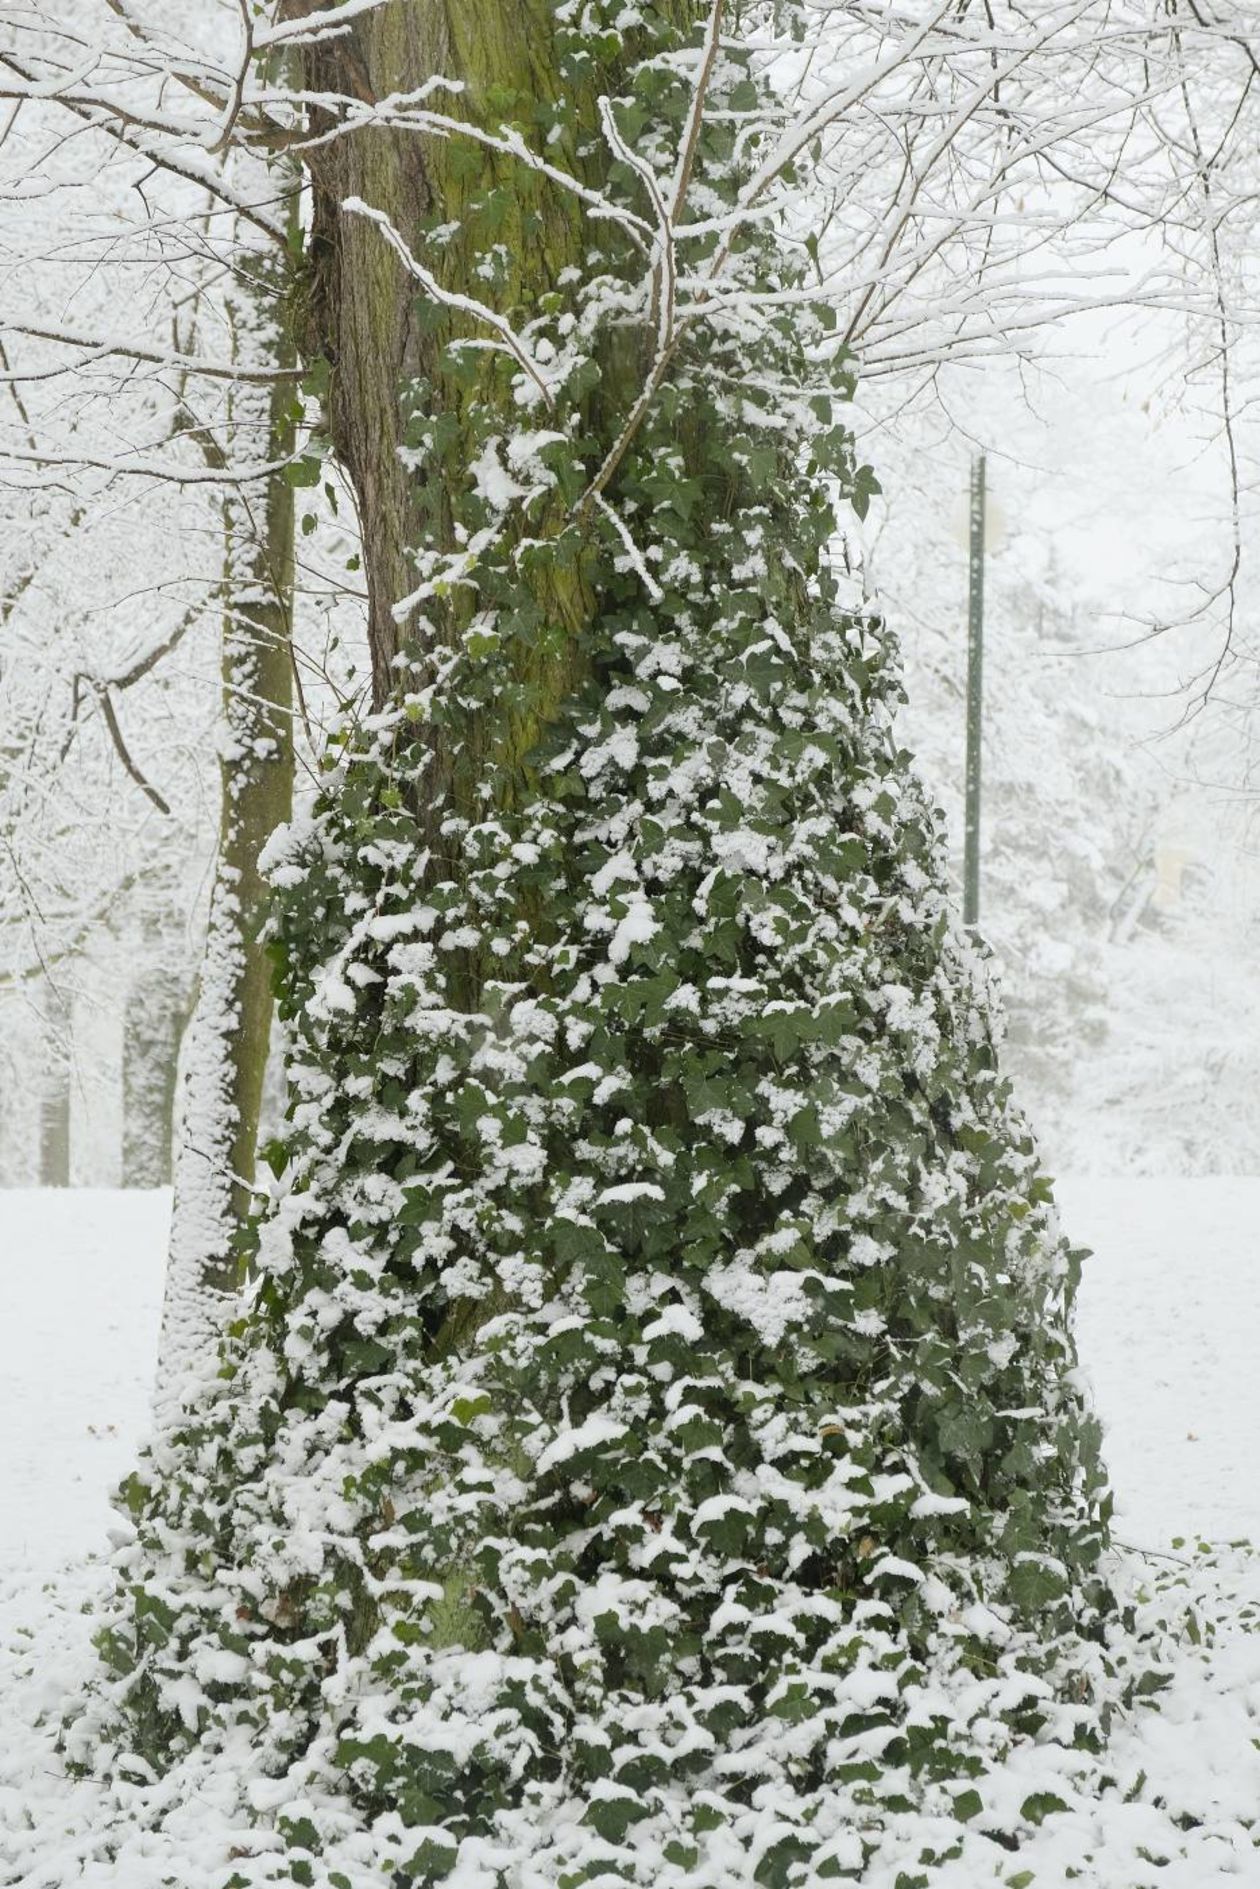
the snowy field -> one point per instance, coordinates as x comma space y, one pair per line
1169, 1330
82, 1285
1170, 1335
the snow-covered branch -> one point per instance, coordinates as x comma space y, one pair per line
98, 347
509, 342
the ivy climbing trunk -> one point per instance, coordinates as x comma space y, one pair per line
654, 1438
229, 1031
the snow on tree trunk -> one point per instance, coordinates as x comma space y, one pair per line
652, 1451
229, 1031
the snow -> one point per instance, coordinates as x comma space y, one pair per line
591, 1435
627, 1192
82, 1292
491, 482
636, 927
770, 1302
1169, 1330
1170, 1333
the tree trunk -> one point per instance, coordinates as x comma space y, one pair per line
362, 304
54, 1130
230, 1028
54, 1100
369, 318
664, 1295
152, 1029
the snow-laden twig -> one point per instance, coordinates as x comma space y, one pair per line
633, 552
232, 110
798, 136
665, 254
690, 141
173, 59
509, 341
664, 258
110, 715
164, 470
100, 347
405, 111
177, 145
307, 28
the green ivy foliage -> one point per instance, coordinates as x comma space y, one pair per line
652, 1449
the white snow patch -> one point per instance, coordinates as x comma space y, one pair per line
637, 926
628, 1191
590, 1435
769, 1302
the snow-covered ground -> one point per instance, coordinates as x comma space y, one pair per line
1169, 1330
81, 1278
1170, 1335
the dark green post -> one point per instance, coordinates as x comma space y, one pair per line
975, 698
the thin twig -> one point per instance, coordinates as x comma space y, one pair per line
102, 348
116, 733
237, 99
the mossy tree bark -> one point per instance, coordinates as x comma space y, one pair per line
257, 763
513, 236
362, 316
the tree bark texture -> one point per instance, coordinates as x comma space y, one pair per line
370, 319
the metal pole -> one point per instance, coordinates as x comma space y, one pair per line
975, 698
